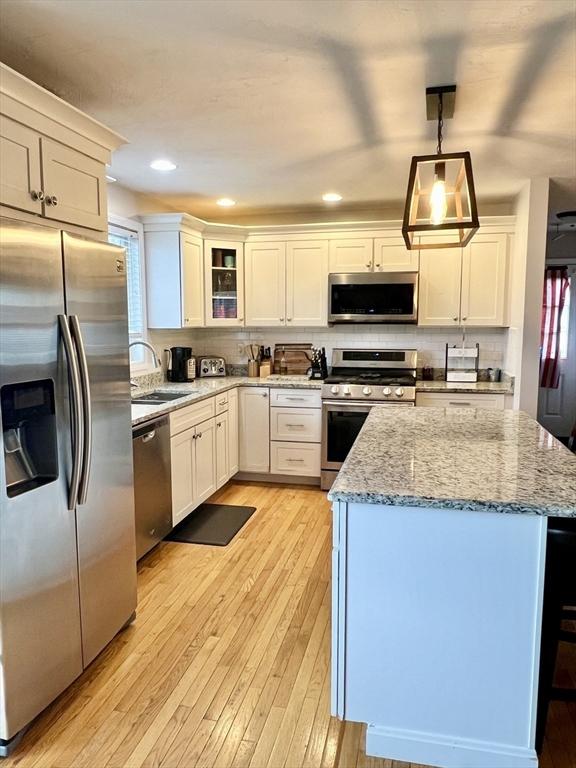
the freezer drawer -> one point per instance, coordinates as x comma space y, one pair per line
152, 483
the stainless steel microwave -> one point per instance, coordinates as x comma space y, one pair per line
373, 297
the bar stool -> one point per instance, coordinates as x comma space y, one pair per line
559, 592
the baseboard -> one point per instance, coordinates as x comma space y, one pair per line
262, 477
428, 749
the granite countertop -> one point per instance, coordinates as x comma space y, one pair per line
472, 387
459, 458
201, 389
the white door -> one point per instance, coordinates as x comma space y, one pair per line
19, 166
307, 284
182, 465
232, 432
224, 283
439, 286
265, 283
222, 448
484, 270
74, 185
191, 281
254, 428
391, 255
205, 461
351, 255
557, 407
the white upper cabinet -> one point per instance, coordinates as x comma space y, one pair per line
45, 177
307, 283
351, 255
192, 281
467, 286
174, 279
265, 282
74, 186
20, 178
224, 282
391, 255
439, 289
484, 281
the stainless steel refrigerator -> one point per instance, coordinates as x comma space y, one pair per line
67, 550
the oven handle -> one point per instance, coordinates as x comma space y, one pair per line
356, 404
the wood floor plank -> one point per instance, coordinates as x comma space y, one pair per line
228, 662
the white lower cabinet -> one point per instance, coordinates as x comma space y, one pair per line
232, 433
222, 450
193, 463
460, 400
254, 428
302, 425
295, 459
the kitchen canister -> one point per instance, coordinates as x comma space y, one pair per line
253, 369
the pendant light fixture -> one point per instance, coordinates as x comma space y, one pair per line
440, 198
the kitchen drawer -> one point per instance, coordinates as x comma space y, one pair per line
190, 415
295, 458
299, 425
459, 400
221, 402
296, 398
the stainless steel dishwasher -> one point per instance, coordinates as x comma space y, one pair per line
152, 483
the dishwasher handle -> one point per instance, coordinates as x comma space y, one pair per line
148, 431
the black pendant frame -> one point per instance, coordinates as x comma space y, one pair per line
465, 228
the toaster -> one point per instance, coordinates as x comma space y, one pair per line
212, 366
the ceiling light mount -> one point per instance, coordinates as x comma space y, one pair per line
331, 197
440, 199
225, 202
162, 164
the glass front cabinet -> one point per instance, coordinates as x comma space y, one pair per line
224, 287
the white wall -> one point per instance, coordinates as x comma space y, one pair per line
522, 353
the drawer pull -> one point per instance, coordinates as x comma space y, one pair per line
459, 402
297, 460
295, 398
295, 425
222, 402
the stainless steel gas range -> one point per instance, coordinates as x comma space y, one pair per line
358, 380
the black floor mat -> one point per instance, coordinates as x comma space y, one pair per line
214, 524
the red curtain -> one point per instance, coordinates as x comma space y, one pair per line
555, 287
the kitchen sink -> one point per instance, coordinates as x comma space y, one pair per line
157, 397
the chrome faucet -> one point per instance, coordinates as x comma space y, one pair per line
154, 356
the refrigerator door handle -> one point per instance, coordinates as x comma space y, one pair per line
86, 408
76, 409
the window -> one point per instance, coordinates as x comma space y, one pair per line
128, 235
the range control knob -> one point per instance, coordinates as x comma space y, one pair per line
335, 390
346, 390
366, 391
386, 391
204, 370
399, 392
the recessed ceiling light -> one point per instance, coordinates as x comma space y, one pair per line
331, 197
162, 165
111, 179
226, 202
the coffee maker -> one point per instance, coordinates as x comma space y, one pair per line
180, 365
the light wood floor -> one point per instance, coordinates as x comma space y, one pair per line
227, 663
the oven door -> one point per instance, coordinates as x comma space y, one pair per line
341, 424
369, 297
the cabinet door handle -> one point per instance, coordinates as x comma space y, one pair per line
199, 435
464, 318
455, 319
51, 200
377, 266
289, 319
37, 195
369, 265
281, 319
265, 394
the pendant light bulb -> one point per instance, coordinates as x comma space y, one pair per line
438, 200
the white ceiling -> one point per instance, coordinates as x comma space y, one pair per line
273, 102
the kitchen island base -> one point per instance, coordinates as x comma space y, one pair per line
436, 632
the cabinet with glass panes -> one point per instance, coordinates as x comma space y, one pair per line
224, 274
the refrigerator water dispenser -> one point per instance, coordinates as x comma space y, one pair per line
29, 431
